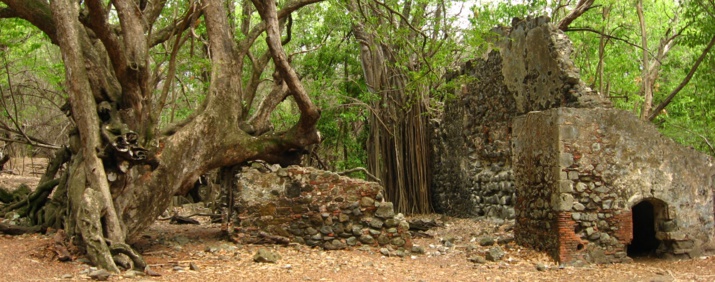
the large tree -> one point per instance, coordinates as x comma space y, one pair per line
122, 169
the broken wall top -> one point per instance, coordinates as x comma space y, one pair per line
537, 68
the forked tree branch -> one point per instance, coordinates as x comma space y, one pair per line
309, 112
683, 83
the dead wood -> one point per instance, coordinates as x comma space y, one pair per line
423, 225
4, 160
177, 219
19, 230
361, 169
59, 246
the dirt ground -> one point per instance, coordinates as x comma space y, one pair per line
171, 250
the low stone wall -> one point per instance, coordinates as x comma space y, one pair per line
316, 208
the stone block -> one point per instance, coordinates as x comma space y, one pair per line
563, 202
385, 210
566, 186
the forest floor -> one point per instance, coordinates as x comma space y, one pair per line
201, 253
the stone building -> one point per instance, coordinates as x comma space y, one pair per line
600, 185
526, 139
530, 70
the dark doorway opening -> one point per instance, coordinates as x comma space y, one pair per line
644, 242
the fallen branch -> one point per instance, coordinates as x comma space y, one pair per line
177, 219
369, 175
19, 230
212, 215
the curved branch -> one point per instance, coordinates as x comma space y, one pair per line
189, 19
309, 112
287, 9
99, 24
37, 12
581, 8
167, 85
258, 123
152, 10
405, 20
588, 29
258, 65
683, 83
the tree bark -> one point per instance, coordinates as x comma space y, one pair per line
116, 188
398, 142
95, 197
683, 83
645, 61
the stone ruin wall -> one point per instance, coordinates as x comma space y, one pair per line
602, 163
537, 221
530, 71
525, 139
316, 208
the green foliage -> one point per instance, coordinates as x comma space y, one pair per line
688, 118
31, 85
497, 13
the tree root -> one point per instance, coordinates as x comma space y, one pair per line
122, 248
34, 201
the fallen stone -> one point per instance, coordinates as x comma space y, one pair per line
266, 256
385, 210
100, 275
418, 249
486, 241
148, 271
477, 259
505, 240
495, 254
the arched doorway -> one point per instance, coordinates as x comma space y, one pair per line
645, 215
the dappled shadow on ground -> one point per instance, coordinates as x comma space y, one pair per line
200, 253
459, 250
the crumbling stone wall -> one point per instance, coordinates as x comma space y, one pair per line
529, 71
317, 208
596, 166
526, 139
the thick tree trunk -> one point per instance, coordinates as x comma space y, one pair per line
115, 188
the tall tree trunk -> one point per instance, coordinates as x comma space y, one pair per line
116, 187
92, 197
645, 61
